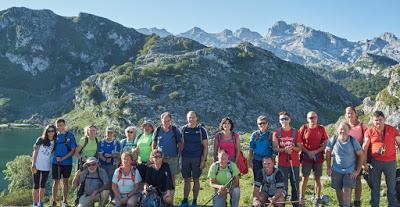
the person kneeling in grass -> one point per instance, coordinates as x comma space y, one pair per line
224, 177
347, 162
269, 186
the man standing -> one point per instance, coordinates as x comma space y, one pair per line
64, 149
93, 183
314, 138
287, 143
194, 156
168, 139
379, 141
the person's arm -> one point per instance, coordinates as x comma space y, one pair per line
365, 147
114, 187
275, 143
278, 193
360, 161
213, 184
78, 151
216, 143
205, 153
155, 139
397, 138
324, 143
299, 145
328, 155
76, 179
256, 196
237, 146
251, 152
34, 157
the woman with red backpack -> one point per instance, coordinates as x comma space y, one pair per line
228, 140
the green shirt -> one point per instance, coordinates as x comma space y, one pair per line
224, 175
90, 149
144, 144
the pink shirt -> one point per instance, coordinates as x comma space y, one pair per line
357, 132
227, 144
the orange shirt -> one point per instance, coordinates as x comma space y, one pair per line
388, 142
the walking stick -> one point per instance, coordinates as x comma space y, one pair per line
294, 176
216, 193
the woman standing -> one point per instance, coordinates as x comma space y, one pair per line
227, 140
357, 129
87, 146
127, 144
41, 163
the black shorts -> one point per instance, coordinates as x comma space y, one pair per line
191, 167
40, 178
61, 170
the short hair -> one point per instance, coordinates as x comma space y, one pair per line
351, 108
60, 120
130, 128
165, 114
86, 130
157, 151
262, 118
224, 120
343, 123
191, 112
378, 114
284, 113
269, 158
312, 112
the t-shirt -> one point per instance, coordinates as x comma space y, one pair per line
261, 144
269, 183
144, 143
126, 145
109, 147
389, 143
93, 181
224, 175
312, 139
344, 157
166, 141
357, 132
160, 178
127, 182
64, 143
192, 139
43, 159
227, 143
90, 148
287, 140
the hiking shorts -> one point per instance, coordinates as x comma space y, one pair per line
191, 167
40, 178
340, 181
307, 167
173, 163
60, 170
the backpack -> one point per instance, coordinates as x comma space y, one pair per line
65, 142
120, 173
218, 167
242, 163
198, 127
319, 156
351, 141
87, 141
124, 141
81, 189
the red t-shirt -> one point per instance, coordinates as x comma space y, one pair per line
389, 142
287, 139
312, 140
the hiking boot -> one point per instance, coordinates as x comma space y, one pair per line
184, 204
194, 204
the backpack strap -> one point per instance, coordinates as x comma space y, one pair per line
120, 173
218, 168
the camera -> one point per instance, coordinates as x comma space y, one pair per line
381, 150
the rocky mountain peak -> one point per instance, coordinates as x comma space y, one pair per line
226, 33
388, 37
154, 30
247, 34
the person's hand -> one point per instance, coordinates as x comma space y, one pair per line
311, 154
33, 169
59, 159
222, 189
355, 174
125, 200
289, 149
202, 164
329, 171
366, 167
256, 202
93, 195
272, 199
136, 150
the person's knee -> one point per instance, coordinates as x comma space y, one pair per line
132, 201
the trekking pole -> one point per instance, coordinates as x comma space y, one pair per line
284, 202
216, 193
294, 176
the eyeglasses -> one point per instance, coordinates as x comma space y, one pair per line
131, 132
91, 164
262, 123
284, 119
50, 131
312, 117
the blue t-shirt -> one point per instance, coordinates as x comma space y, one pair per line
193, 146
166, 141
261, 145
109, 147
344, 157
64, 143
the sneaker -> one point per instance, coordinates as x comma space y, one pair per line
40, 204
194, 204
316, 201
34, 205
184, 204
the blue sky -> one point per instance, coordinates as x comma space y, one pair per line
352, 19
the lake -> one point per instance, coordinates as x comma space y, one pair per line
13, 142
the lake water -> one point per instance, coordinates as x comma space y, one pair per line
13, 142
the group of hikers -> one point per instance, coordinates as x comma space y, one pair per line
141, 168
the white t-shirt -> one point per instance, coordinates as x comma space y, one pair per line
43, 159
127, 182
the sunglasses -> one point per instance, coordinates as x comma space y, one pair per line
91, 164
284, 119
50, 131
262, 123
312, 117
